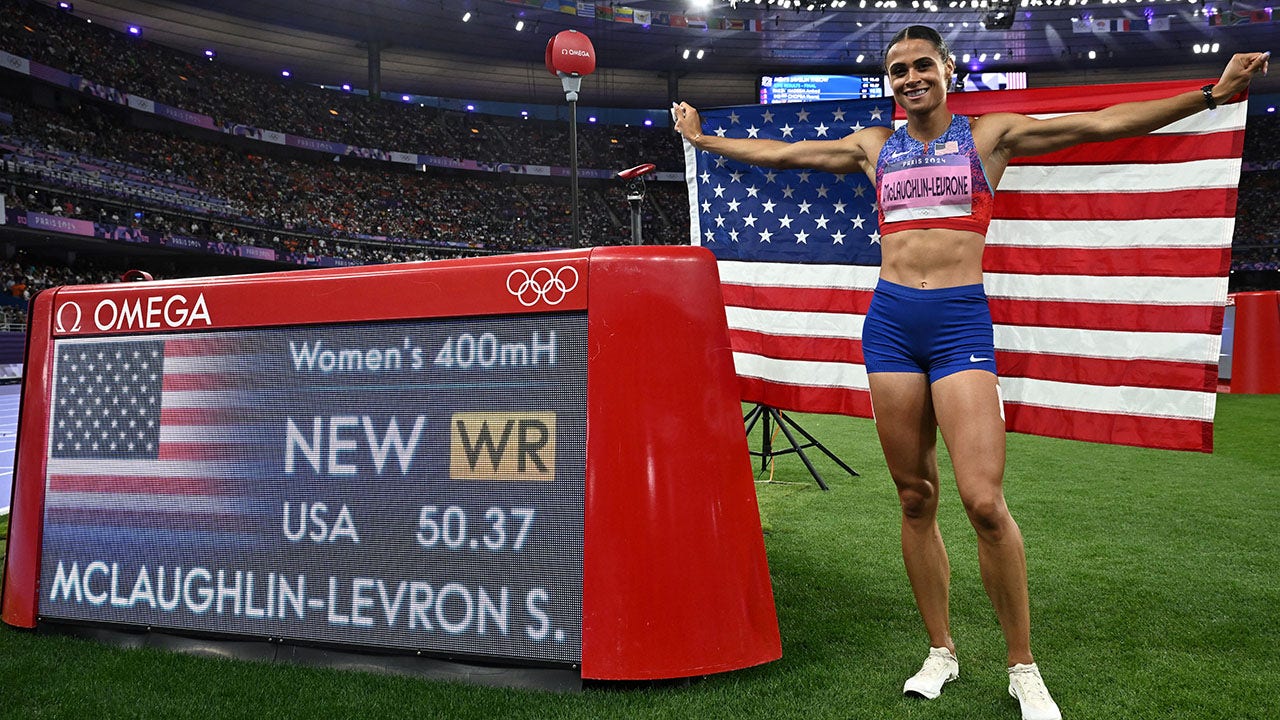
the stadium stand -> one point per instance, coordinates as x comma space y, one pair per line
82, 158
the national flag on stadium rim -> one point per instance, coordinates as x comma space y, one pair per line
1106, 266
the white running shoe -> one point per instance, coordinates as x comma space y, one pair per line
939, 668
1027, 686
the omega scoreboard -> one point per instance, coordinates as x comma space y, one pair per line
527, 461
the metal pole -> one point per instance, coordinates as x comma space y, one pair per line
635, 223
573, 169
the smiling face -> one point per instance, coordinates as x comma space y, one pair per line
918, 74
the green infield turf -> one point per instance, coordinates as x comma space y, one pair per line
1153, 585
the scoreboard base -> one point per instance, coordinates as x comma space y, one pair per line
555, 679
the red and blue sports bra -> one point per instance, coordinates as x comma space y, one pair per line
942, 185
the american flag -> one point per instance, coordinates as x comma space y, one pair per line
135, 442
1106, 266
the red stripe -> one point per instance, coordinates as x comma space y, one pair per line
787, 347
201, 381
1146, 149
1109, 372
134, 484
1064, 99
1197, 203
176, 416
766, 297
196, 451
1142, 262
1108, 316
1138, 430
800, 398
200, 345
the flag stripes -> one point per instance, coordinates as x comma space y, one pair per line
1106, 269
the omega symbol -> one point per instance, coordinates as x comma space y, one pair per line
542, 285
59, 326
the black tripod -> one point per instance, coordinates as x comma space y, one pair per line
772, 415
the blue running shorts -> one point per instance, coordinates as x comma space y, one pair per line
934, 332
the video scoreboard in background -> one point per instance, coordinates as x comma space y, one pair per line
810, 88
396, 459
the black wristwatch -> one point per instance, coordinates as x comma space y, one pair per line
1208, 96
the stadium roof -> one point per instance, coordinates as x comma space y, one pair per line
428, 48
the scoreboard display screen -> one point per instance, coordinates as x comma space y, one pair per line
811, 88
414, 484
530, 463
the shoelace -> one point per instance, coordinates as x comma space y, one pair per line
936, 665
1031, 685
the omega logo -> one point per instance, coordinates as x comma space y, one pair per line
145, 313
575, 51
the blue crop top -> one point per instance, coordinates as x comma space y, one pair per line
942, 185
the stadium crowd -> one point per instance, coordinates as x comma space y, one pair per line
88, 160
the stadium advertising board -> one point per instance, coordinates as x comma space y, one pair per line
396, 460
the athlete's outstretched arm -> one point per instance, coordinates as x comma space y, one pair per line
1020, 135
847, 154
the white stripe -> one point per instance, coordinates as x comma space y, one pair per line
1114, 400
218, 433
809, 373
1084, 288
794, 322
143, 468
1174, 347
195, 504
212, 364
1227, 118
1121, 178
209, 399
794, 275
1113, 234
691, 181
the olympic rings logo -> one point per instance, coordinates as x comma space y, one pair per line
542, 285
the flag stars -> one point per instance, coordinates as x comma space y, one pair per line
719, 222
838, 207
875, 238
733, 235
752, 191
721, 161
859, 190
788, 191
804, 207
735, 176
785, 221
768, 205
705, 177
876, 113
802, 238
804, 176
856, 126
769, 176
786, 130
753, 132
719, 190
733, 205
838, 115
857, 222
765, 235
822, 191
734, 118
720, 131
838, 238
767, 117
821, 221
749, 220
706, 206
802, 116
821, 130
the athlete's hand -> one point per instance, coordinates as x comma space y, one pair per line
1239, 73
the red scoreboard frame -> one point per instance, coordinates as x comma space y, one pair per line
674, 581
